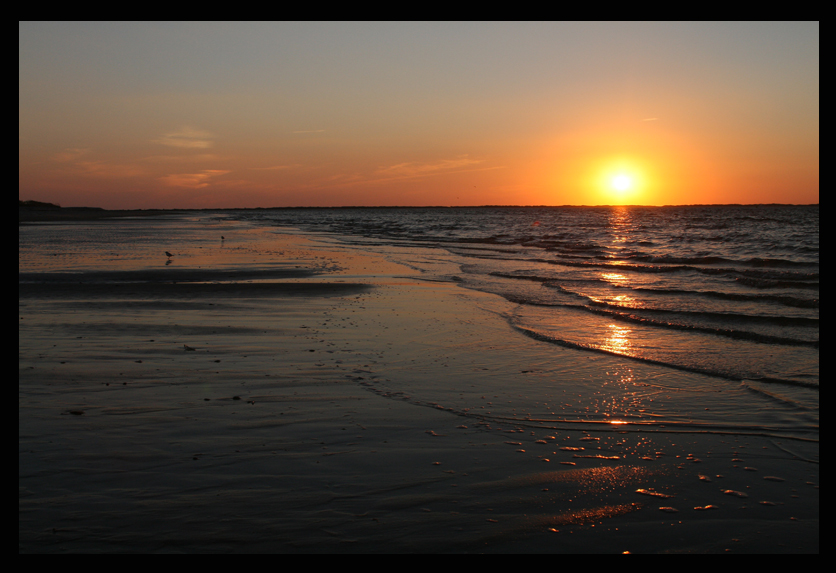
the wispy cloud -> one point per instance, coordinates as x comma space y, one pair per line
405, 171
309, 131
188, 138
274, 167
70, 154
192, 180
411, 169
191, 158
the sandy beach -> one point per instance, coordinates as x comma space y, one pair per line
331, 401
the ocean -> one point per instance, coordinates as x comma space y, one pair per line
725, 299
729, 292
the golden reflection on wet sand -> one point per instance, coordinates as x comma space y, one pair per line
619, 339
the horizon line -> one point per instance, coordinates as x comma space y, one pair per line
541, 206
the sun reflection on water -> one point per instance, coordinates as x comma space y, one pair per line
614, 278
619, 339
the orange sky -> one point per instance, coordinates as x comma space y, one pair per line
194, 115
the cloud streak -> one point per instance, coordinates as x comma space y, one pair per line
192, 158
274, 167
411, 169
404, 172
192, 180
70, 154
187, 138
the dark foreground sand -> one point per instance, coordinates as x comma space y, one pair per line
308, 418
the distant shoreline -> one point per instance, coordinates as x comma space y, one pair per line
41, 215
46, 212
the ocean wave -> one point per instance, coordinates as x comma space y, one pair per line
767, 283
750, 277
799, 321
726, 332
715, 372
786, 300
754, 262
634, 316
556, 282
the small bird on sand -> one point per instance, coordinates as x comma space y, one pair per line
168, 254
187, 347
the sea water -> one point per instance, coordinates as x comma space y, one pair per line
723, 300
728, 292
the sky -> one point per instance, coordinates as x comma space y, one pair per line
129, 115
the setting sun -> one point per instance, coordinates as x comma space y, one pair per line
621, 182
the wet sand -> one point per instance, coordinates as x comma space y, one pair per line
358, 410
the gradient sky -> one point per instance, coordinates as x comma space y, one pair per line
196, 115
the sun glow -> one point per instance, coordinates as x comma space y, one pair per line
621, 182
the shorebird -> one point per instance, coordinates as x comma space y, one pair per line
169, 255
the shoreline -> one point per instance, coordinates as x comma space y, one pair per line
378, 413
44, 215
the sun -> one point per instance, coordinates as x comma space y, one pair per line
621, 182
615, 180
